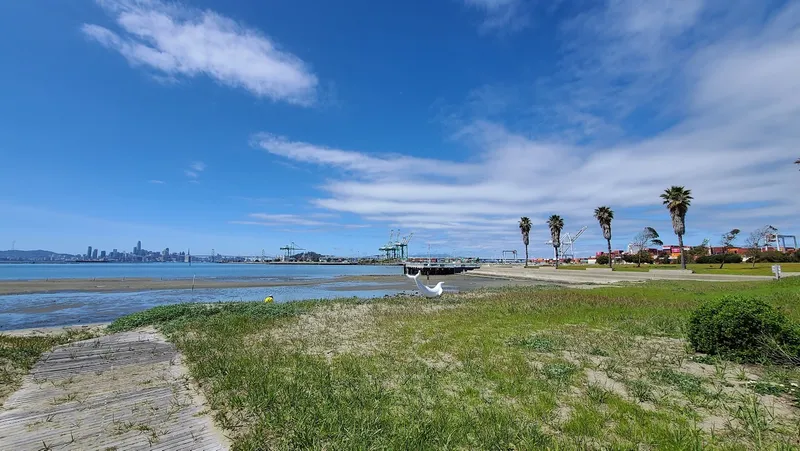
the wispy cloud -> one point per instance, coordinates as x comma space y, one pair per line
156, 182
195, 169
501, 15
731, 138
175, 41
358, 162
286, 219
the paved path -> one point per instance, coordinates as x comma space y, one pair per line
603, 277
126, 391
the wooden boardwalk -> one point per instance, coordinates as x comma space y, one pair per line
126, 391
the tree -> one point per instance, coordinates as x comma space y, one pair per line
556, 225
648, 236
677, 200
727, 241
698, 251
525, 229
754, 243
604, 215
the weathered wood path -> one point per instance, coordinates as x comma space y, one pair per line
125, 391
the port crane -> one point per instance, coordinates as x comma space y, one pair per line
397, 247
290, 249
567, 248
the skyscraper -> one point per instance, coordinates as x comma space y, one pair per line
94, 254
102, 254
138, 247
89, 253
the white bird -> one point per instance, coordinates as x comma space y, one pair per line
426, 291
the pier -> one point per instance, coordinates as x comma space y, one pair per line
438, 269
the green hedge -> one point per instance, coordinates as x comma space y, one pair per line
730, 258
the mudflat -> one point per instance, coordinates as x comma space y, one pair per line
458, 282
143, 284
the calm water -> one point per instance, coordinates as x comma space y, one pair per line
60, 309
183, 270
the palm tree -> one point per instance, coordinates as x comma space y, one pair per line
556, 224
604, 215
525, 229
678, 199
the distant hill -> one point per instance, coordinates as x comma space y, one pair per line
31, 255
307, 257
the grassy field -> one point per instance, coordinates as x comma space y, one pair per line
745, 269
517, 368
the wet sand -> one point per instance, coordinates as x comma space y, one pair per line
144, 284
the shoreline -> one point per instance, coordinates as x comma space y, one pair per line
131, 284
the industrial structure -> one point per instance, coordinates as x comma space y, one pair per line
290, 250
397, 247
772, 237
567, 248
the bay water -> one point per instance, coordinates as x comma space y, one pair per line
23, 311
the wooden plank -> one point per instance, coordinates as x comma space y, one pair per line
127, 391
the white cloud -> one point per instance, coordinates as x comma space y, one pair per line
195, 168
358, 162
501, 15
175, 41
156, 182
285, 219
732, 140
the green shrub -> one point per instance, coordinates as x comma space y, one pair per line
663, 260
730, 258
602, 260
634, 258
743, 329
777, 257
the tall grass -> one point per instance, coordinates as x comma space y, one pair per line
501, 369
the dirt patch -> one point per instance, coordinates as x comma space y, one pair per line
602, 380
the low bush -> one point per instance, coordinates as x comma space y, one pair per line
635, 258
729, 258
743, 329
602, 259
777, 257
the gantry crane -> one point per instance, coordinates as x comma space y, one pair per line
567, 248
290, 248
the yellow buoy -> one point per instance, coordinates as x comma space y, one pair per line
268, 299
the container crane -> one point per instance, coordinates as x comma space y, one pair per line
290, 249
567, 248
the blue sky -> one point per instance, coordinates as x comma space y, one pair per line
243, 125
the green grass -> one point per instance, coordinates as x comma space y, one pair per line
19, 353
516, 368
744, 269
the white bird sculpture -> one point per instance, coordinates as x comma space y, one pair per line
426, 291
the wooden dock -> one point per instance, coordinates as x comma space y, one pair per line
438, 269
126, 391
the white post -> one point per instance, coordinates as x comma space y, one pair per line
776, 269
